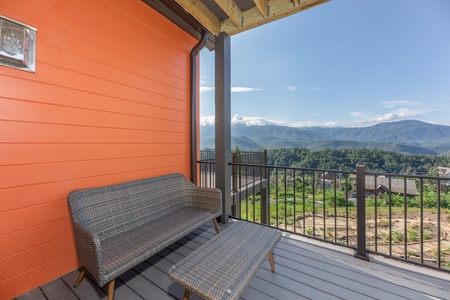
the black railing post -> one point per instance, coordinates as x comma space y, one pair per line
361, 251
234, 160
265, 206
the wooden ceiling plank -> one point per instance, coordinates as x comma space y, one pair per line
202, 14
277, 9
262, 7
232, 10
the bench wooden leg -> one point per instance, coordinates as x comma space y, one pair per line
111, 290
80, 277
217, 226
187, 294
272, 265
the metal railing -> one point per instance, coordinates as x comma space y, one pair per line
237, 156
208, 167
406, 217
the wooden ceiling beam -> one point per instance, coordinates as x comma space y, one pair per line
232, 10
202, 14
262, 7
277, 9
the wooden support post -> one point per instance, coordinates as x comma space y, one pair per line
187, 294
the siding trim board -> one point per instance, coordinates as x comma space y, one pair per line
109, 102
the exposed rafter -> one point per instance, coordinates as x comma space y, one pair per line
277, 9
262, 7
235, 16
202, 14
232, 10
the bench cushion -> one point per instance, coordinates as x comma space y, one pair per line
130, 248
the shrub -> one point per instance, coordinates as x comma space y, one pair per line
397, 237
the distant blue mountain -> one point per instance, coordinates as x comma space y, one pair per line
414, 137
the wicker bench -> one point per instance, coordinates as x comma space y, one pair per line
117, 227
223, 266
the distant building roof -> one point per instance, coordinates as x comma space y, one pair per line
443, 171
397, 185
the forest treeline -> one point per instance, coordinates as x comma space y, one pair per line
375, 160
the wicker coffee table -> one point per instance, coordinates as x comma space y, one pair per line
222, 267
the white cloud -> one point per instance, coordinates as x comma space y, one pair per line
206, 88
234, 89
365, 119
314, 124
369, 118
362, 114
257, 121
292, 88
249, 121
241, 120
207, 120
239, 89
398, 103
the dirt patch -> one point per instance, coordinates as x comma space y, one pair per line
405, 234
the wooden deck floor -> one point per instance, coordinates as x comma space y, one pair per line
304, 269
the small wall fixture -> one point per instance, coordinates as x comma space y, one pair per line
17, 45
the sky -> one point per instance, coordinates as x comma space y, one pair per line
345, 63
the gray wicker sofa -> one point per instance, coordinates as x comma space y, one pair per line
116, 227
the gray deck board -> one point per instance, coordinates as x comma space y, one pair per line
251, 293
304, 269
144, 288
87, 289
35, 294
344, 282
57, 289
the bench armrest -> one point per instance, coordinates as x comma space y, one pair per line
88, 250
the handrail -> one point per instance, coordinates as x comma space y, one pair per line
399, 216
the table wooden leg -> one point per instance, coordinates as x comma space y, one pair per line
272, 265
187, 294
217, 226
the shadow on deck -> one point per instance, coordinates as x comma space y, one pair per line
304, 269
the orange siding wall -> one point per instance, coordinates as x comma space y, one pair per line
109, 102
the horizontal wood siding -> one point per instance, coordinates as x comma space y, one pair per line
109, 102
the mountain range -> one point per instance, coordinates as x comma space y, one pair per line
410, 136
